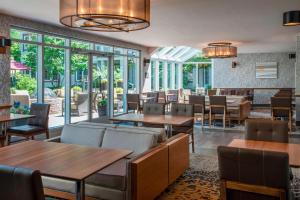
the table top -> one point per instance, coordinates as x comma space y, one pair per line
5, 106
12, 117
153, 119
292, 149
67, 161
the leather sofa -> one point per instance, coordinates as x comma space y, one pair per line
267, 130
20, 184
251, 174
155, 163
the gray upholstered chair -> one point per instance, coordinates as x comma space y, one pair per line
35, 126
20, 184
199, 106
281, 108
133, 102
154, 109
251, 174
218, 109
267, 130
187, 110
154, 95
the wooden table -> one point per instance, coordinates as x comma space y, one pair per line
5, 119
65, 161
5, 106
167, 120
292, 150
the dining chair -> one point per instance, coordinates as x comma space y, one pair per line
212, 92
199, 107
162, 97
218, 109
133, 102
172, 96
154, 95
154, 109
35, 126
181, 109
281, 108
20, 184
267, 130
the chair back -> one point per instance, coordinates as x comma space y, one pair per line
154, 95
174, 96
267, 130
20, 184
198, 102
133, 101
154, 109
255, 168
41, 112
181, 109
218, 104
161, 97
281, 106
212, 92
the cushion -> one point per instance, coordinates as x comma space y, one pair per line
159, 133
113, 176
87, 136
120, 139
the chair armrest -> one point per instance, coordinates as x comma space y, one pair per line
149, 174
54, 139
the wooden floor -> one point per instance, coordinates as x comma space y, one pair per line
207, 140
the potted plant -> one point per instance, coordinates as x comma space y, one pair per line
102, 107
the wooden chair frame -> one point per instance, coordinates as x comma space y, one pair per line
283, 108
258, 189
225, 117
137, 106
202, 114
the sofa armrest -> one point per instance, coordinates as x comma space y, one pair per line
178, 156
54, 139
149, 174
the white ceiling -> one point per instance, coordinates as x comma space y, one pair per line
252, 25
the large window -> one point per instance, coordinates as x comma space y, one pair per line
55, 69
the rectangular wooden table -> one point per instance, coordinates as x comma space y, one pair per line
167, 120
292, 150
65, 161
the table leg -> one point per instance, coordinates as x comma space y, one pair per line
5, 133
170, 130
80, 190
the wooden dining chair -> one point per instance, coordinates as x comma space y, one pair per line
133, 102
218, 109
199, 107
281, 108
35, 126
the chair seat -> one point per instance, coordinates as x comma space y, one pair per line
113, 176
25, 129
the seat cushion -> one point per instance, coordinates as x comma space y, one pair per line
25, 129
158, 131
120, 139
92, 124
87, 136
113, 176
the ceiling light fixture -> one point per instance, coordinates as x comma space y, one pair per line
291, 18
104, 15
219, 50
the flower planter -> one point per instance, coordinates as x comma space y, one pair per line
102, 111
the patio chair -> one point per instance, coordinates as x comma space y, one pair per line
80, 103
35, 126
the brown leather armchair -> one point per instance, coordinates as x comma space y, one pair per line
251, 174
267, 130
20, 184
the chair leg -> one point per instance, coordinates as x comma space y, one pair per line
202, 120
209, 119
224, 121
193, 142
8, 139
47, 134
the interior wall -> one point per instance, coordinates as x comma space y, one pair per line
7, 21
243, 76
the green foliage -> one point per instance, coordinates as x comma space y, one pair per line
119, 90
198, 58
76, 89
102, 102
25, 82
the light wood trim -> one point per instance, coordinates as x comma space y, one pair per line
264, 190
178, 156
150, 174
62, 195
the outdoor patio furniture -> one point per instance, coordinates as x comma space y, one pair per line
133, 102
35, 126
80, 103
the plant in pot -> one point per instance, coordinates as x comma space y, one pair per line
102, 107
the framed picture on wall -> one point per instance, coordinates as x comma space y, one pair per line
266, 70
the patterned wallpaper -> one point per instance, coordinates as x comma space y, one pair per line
244, 74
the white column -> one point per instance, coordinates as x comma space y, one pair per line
173, 75
156, 63
180, 75
165, 77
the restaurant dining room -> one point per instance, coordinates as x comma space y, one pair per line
149, 100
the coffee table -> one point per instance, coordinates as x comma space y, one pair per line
291, 149
167, 120
58, 160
